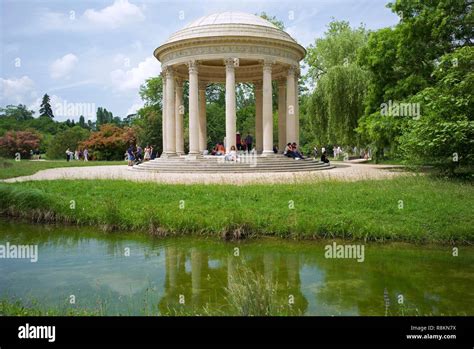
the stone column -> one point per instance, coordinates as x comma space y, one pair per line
163, 112
267, 110
193, 110
281, 115
230, 116
202, 117
290, 106
179, 112
196, 264
297, 108
170, 116
258, 117
172, 271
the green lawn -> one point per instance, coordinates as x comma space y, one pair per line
417, 209
12, 168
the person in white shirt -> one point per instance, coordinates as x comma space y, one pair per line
231, 155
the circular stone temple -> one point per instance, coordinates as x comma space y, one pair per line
229, 48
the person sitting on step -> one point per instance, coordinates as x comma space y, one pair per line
220, 149
296, 151
324, 157
232, 154
288, 151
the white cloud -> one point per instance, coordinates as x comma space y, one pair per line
17, 90
63, 66
134, 107
133, 78
119, 13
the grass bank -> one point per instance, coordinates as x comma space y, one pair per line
414, 209
11, 168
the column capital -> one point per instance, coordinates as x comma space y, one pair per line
193, 66
168, 72
202, 85
230, 63
258, 85
291, 70
281, 82
267, 64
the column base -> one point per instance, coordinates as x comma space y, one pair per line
169, 155
193, 156
268, 153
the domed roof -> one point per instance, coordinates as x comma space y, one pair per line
238, 24
230, 18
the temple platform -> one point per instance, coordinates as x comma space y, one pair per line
217, 164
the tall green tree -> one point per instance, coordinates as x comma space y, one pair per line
336, 104
402, 61
444, 134
82, 122
45, 108
148, 120
103, 117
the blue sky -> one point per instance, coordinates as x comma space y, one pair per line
99, 52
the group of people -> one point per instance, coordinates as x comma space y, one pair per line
78, 154
292, 151
136, 154
244, 144
337, 151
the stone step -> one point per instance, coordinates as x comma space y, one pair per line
229, 168
213, 161
214, 171
228, 163
163, 166
212, 164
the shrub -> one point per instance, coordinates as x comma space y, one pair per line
69, 138
22, 142
110, 143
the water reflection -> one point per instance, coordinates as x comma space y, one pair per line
212, 274
187, 275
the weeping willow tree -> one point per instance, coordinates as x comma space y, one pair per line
340, 85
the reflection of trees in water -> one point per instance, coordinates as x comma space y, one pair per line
360, 286
430, 280
221, 288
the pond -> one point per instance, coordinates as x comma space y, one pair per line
136, 274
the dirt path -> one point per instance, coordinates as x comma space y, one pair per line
343, 172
